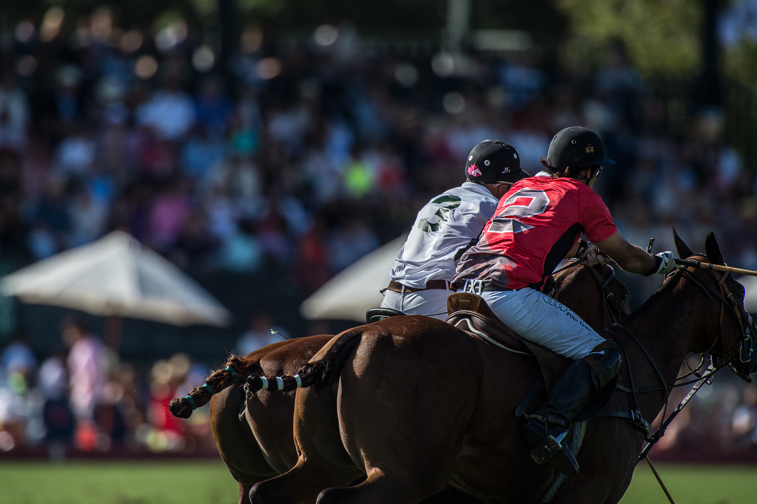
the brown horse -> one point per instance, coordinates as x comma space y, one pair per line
254, 434
419, 405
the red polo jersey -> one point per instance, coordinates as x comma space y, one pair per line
535, 225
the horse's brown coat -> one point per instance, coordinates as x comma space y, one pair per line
419, 406
261, 444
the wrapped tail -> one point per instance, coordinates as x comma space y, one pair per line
326, 364
234, 372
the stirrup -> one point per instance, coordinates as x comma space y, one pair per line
557, 454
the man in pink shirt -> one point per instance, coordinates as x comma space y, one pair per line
87, 367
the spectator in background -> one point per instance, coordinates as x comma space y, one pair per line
14, 111
350, 241
18, 356
311, 270
87, 215
170, 210
88, 371
49, 221
75, 155
56, 410
201, 152
260, 333
744, 419
242, 252
17, 372
166, 432
213, 107
170, 111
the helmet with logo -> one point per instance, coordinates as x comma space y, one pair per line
575, 147
494, 161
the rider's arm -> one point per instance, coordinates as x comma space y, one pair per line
573, 252
629, 257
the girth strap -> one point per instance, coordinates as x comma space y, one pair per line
632, 416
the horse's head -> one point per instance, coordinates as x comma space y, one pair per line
735, 338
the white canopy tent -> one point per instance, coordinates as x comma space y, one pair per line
349, 294
117, 277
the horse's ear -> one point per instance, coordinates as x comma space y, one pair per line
711, 247
683, 250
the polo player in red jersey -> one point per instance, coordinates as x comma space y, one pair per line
538, 222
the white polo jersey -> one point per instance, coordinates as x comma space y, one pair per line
445, 225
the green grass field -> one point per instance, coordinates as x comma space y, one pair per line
114, 482
201, 482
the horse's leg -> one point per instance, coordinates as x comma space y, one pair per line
301, 484
322, 462
380, 488
605, 472
235, 441
407, 453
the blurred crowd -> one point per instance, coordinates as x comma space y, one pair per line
83, 398
305, 156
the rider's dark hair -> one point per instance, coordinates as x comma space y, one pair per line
571, 171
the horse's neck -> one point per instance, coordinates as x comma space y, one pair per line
578, 290
666, 326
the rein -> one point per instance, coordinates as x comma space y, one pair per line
615, 306
744, 321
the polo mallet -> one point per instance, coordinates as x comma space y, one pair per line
716, 267
705, 265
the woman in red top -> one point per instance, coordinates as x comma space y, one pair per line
537, 223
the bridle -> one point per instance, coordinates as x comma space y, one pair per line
721, 299
746, 346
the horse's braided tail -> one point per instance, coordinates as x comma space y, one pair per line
316, 372
234, 372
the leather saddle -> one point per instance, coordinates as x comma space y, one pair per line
471, 314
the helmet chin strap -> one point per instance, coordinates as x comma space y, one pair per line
581, 177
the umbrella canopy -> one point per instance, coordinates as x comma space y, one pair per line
117, 276
349, 294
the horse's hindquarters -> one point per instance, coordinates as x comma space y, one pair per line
404, 404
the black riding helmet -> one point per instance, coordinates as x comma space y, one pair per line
494, 161
576, 146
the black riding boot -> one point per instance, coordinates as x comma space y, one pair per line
546, 428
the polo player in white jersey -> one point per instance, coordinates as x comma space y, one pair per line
445, 227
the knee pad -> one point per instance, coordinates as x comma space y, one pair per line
605, 365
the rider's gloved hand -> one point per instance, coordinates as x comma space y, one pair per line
595, 256
590, 254
665, 262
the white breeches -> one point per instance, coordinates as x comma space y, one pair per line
432, 302
544, 321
